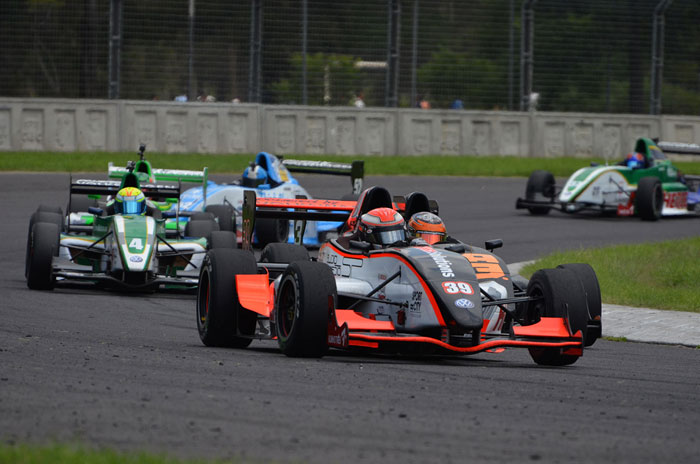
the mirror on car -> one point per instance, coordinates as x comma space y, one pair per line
95, 210
493, 244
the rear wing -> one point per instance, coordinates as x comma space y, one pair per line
111, 187
355, 170
679, 148
164, 175
298, 209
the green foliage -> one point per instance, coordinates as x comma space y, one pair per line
338, 72
454, 75
653, 275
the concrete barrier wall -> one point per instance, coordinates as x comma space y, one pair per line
171, 127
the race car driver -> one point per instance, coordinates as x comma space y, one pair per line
635, 160
129, 200
382, 227
427, 226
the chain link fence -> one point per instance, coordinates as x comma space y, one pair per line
582, 55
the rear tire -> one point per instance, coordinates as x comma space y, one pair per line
271, 231
222, 239
200, 228
649, 199
225, 215
561, 295
284, 253
540, 183
40, 252
221, 320
306, 295
588, 278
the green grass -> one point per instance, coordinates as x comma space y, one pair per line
69, 454
656, 275
433, 165
65, 454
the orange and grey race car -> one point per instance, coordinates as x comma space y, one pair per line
375, 288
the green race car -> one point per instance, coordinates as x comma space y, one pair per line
645, 184
125, 244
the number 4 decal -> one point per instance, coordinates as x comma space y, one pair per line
453, 288
136, 243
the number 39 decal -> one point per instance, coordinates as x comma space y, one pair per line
453, 288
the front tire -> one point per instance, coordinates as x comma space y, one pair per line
221, 320
40, 252
649, 199
560, 294
591, 287
306, 295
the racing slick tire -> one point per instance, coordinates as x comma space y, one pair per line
222, 239
271, 231
44, 214
200, 228
586, 275
51, 209
649, 199
306, 295
202, 216
221, 320
284, 253
41, 245
225, 215
560, 294
542, 183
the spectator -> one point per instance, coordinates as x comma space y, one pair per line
359, 100
423, 103
457, 104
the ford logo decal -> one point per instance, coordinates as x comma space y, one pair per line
136, 259
464, 303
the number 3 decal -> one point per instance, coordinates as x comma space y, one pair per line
457, 287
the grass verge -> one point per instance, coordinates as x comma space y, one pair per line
432, 165
655, 275
68, 454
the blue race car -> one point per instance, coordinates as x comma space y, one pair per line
269, 176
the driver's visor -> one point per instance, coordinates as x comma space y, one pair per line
132, 206
391, 236
431, 237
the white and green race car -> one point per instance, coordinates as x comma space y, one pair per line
118, 250
646, 184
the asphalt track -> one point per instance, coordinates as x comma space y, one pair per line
129, 372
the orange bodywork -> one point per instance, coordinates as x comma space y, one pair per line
255, 293
356, 321
306, 203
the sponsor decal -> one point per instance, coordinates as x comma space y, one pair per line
485, 265
678, 200
627, 209
452, 288
339, 339
136, 259
464, 303
442, 263
414, 305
